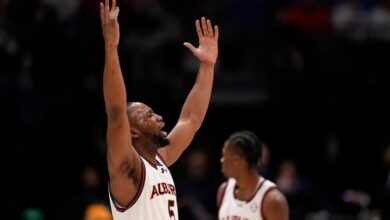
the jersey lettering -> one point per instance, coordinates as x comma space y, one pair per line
156, 198
163, 188
171, 204
234, 217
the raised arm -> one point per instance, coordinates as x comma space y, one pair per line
124, 164
197, 102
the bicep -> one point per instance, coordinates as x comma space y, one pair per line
120, 150
180, 137
275, 206
124, 163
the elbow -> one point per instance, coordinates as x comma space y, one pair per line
196, 123
195, 120
191, 125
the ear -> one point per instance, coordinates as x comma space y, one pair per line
238, 160
134, 133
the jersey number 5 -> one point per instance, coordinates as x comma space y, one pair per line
171, 205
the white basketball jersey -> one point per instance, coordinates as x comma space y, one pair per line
234, 209
155, 199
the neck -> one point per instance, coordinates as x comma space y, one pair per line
147, 151
247, 185
248, 181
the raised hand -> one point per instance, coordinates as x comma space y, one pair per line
207, 51
109, 21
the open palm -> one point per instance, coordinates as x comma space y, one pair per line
109, 21
207, 50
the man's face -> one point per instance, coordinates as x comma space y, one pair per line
149, 123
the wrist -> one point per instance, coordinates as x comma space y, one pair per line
111, 47
207, 64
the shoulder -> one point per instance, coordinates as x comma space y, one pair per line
222, 187
221, 192
275, 205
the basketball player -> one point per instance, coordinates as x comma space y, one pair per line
246, 195
139, 151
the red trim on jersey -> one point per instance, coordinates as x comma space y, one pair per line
223, 194
254, 194
137, 195
151, 164
262, 202
162, 159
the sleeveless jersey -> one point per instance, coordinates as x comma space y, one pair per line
234, 209
155, 199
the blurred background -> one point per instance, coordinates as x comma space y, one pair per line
310, 77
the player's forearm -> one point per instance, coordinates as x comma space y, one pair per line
197, 102
113, 84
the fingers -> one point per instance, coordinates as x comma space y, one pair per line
113, 6
210, 28
106, 9
204, 27
102, 14
198, 29
114, 14
116, 11
106, 13
190, 47
216, 32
